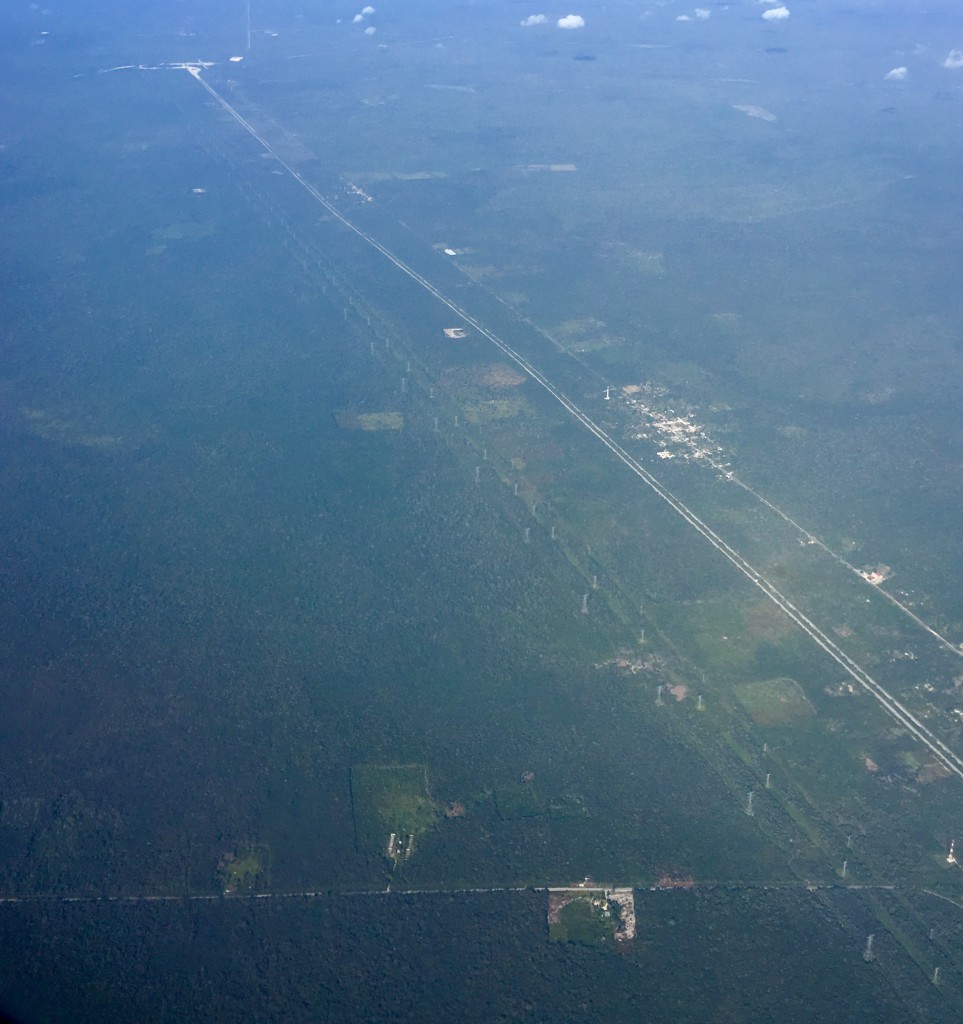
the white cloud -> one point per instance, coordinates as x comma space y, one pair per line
571, 21
357, 18
776, 14
954, 59
370, 30
367, 10
534, 19
896, 75
683, 17
703, 13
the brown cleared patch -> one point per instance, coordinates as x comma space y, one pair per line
765, 620
494, 409
500, 375
556, 901
933, 772
675, 879
487, 375
348, 420
586, 334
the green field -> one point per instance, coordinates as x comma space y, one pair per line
520, 801
775, 701
390, 799
583, 918
245, 870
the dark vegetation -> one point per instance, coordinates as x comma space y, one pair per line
717, 956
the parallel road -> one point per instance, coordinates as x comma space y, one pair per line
943, 753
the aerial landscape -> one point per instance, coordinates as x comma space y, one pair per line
482, 527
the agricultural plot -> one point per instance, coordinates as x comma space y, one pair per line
390, 801
775, 701
586, 918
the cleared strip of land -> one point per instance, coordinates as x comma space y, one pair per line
944, 754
